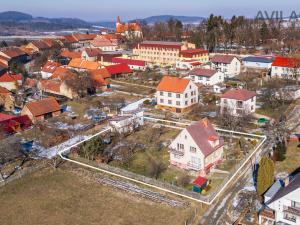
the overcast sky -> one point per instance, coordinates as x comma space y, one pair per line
108, 10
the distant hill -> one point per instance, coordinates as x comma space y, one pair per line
14, 16
164, 18
12, 22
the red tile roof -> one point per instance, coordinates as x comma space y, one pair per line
286, 62
83, 64
200, 132
239, 94
41, 107
50, 85
15, 124
71, 55
227, 59
4, 116
133, 62
202, 72
101, 41
11, 77
118, 69
200, 181
62, 73
50, 66
172, 84
191, 52
93, 52
84, 37
13, 52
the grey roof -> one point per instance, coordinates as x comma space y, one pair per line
202, 72
293, 185
273, 189
258, 59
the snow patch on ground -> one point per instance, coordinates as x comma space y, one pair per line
53, 151
65, 126
104, 94
249, 188
222, 204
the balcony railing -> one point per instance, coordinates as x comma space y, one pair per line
177, 151
193, 166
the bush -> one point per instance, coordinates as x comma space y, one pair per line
183, 180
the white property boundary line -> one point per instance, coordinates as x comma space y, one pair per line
264, 138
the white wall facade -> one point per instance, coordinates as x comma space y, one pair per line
230, 70
284, 72
189, 97
217, 78
238, 107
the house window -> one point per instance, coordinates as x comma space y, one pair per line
169, 94
180, 146
161, 93
193, 149
170, 102
161, 100
186, 95
186, 102
178, 103
177, 95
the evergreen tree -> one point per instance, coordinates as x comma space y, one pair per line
264, 32
265, 177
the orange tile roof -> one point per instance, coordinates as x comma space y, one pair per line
11, 77
101, 41
62, 73
83, 64
4, 91
172, 84
72, 55
50, 85
103, 72
41, 107
13, 52
98, 80
50, 66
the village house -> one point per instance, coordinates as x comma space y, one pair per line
10, 124
133, 64
91, 54
286, 67
198, 148
56, 87
258, 62
11, 81
228, 64
101, 77
198, 54
62, 73
105, 58
207, 77
117, 70
14, 55
238, 102
7, 100
40, 110
38, 46
161, 52
83, 65
187, 64
129, 30
176, 94
282, 202
49, 68
66, 55
103, 43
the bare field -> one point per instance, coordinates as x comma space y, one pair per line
60, 197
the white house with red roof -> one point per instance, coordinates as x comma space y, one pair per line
11, 81
134, 64
198, 148
207, 77
103, 43
238, 102
176, 94
286, 67
230, 65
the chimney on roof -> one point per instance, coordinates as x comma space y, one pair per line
118, 19
205, 122
286, 181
